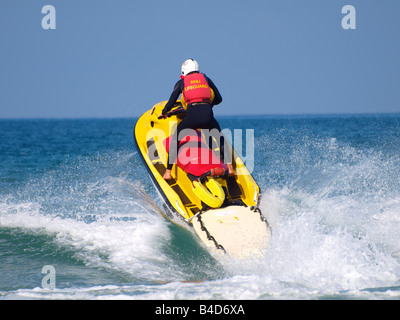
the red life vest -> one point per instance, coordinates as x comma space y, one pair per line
196, 88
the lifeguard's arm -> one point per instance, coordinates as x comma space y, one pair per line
218, 97
174, 96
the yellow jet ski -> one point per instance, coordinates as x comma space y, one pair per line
222, 210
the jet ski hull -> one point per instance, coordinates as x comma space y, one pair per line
237, 228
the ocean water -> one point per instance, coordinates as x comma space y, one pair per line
75, 195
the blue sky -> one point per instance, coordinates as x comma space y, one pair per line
118, 58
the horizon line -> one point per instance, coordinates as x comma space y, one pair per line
221, 115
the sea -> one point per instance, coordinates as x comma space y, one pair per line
81, 220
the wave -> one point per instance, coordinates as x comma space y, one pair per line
333, 207
335, 216
107, 221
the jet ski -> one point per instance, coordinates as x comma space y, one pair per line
221, 209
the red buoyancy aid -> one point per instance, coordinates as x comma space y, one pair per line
196, 88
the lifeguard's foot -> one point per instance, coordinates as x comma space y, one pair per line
231, 171
167, 175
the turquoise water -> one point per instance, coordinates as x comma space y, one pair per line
74, 194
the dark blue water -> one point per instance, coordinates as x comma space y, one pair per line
74, 194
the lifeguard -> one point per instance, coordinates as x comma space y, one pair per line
200, 95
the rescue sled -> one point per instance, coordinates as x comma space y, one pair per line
221, 209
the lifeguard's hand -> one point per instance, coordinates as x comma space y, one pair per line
162, 116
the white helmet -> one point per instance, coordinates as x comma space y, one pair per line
189, 66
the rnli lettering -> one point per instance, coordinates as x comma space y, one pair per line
196, 87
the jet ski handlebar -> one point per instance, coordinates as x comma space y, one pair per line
180, 110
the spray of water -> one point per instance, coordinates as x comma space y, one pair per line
334, 212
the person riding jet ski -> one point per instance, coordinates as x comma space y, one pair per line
197, 91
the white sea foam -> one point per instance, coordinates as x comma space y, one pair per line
334, 246
335, 229
122, 235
